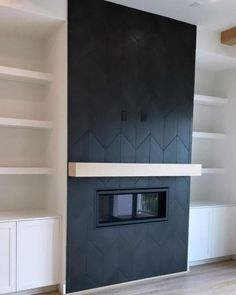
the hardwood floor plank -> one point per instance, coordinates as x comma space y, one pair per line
211, 279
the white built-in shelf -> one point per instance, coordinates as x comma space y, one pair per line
25, 123
209, 135
6, 216
22, 75
213, 170
25, 171
210, 204
210, 100
132, 170
213, 61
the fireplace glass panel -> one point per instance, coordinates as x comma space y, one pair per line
122, 207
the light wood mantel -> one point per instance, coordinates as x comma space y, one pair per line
77, 169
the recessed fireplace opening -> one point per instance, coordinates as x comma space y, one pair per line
120, 207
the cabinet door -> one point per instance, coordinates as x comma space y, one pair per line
223, 229
199, 234
37, 253
7, 257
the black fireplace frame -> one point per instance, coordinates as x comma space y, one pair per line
135, 192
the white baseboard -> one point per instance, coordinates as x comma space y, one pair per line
212, 260
36, 291
127, 284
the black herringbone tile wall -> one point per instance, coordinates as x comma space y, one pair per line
131, 85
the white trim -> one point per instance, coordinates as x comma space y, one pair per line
132, 170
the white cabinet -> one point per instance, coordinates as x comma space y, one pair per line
7, 257
37, 256
199, 233
211, 232
223, 228
28, 254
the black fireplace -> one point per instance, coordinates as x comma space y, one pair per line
130, 100
121, 207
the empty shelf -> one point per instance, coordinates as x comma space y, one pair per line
17, 74
213, 171
25, 123
210, 100
25, 171
209, 135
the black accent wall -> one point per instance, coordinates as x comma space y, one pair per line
131, 86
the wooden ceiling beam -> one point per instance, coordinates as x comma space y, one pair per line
228, 37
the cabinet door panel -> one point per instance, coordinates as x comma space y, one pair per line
223, 228
37, 253
199, 234
7, 257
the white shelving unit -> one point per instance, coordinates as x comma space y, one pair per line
212, 206
33, 122
211, 133
208, 146
214, 119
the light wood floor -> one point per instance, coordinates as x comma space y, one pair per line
211, 279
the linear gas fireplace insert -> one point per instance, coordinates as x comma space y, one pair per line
120, 207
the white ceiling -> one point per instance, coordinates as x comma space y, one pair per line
213, 14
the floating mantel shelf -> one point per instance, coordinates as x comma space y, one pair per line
133, 170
